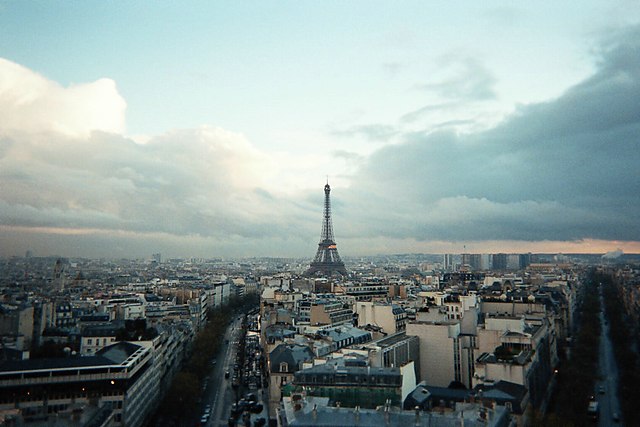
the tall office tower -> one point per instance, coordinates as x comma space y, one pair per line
525, 260
58, 274
499, 262
474, 261
471, 262
448, 262
327, 261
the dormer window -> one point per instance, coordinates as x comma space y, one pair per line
284, 367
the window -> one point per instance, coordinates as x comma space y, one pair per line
284, 367
89, 341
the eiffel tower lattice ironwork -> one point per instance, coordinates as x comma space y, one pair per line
327, 261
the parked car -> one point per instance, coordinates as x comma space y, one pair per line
256, 408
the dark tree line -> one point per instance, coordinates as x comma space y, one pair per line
180, 403
622, 333
577, 376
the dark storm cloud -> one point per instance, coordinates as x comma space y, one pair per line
561, 170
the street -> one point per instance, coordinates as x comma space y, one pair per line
607, 385
220, 395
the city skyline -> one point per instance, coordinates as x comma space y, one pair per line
208, 130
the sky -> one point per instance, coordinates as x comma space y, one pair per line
208, 129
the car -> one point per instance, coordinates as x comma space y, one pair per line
256, 408
615, 417
226, 374
204, 419
601, 389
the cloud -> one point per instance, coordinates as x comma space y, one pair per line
467, 79
373, 132
348, 156
29, 102
391, 69
565, 169
414, 115
560, 170
65, 166
204, 181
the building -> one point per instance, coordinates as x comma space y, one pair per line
300, 410
283, 362
440, 360
394, 350
448, 262
120, 378
362, 291
391, 318
351, 385
499, 262
331, 312
17, 325
95, 338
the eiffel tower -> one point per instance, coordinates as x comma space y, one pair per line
327, 261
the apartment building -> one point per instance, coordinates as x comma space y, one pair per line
121, 377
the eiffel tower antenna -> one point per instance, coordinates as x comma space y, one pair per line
327, 261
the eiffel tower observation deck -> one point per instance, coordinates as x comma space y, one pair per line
327, 261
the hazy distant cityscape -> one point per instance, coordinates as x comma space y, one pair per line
425, 339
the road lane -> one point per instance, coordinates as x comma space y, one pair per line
219, 398
608, 375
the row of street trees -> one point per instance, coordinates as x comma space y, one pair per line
181, 400
622, 336
577, 376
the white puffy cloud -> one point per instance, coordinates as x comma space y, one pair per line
67, 170
31, 103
